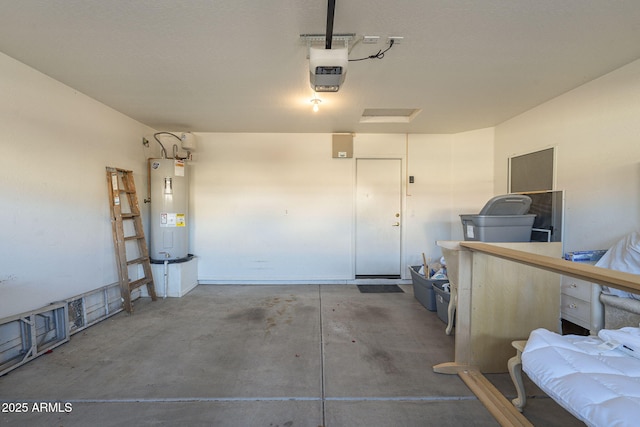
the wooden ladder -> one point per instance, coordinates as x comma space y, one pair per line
128, 235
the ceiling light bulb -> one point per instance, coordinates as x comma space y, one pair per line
316, 102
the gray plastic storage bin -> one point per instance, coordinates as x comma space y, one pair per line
502, 219
442, 302
497, 228
423, 289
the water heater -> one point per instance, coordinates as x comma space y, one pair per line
169, 184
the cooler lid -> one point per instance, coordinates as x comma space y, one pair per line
508, 204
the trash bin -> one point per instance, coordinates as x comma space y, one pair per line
502, 219
423, 288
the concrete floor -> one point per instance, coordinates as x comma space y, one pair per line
273, 356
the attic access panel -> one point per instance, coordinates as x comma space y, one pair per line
389, 115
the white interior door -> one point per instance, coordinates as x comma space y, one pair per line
378, 216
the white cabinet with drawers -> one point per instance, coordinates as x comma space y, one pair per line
580, 304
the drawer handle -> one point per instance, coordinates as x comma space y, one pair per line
572, 305
573, 285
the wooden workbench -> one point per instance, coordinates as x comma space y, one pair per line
498, 301
505, 290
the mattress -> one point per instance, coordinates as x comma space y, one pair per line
594, 380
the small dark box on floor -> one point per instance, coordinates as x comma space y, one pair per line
423, 289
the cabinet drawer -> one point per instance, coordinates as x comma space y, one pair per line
576, 310
580, 289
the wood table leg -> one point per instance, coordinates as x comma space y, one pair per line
515, 371
451, 309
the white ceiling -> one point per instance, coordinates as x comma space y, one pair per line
240, 65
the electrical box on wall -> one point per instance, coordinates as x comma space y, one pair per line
342, 145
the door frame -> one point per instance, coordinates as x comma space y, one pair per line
404, 274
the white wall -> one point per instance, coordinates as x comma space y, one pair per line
56, 239
271, 207
428, 199
278, 207
596, 130
471, 176
453, 175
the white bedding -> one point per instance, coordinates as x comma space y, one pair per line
623, 256
598, 386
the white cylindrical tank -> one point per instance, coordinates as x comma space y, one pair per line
169, 184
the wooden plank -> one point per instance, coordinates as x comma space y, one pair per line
509, 300
140, 282
115, 177
134, 237
450, 368
143, 250
139, 260
498, 302
499, 406
115, 207
603, 276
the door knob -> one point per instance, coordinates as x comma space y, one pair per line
396, 224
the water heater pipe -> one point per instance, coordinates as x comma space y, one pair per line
164, 150
166, 273
166, 278
148, 199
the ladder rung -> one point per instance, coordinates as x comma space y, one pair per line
138, 260
129, 215
140, 282
134, 237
